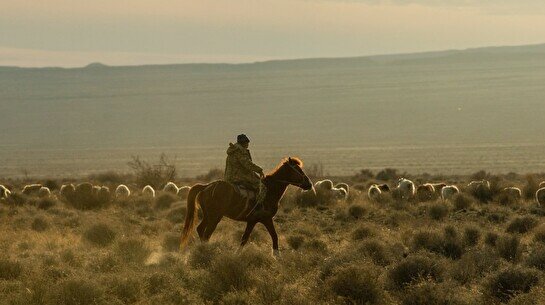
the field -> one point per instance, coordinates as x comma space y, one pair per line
394, 251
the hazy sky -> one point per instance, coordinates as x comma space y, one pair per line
118, 32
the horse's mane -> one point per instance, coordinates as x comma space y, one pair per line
292, 160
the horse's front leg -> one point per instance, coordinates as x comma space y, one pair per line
249, 228
272, 231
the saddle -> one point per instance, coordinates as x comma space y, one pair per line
247, 193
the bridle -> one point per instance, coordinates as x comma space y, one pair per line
298, 184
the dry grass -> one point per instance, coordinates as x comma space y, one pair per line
468, 251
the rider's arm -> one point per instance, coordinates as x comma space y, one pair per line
246, 162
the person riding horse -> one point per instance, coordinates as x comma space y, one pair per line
241, 171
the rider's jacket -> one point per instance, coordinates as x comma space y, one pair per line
239, 168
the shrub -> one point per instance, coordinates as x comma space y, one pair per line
10, 270
375, 250
522, 224
17, 199
133, 250
45, 203
227, 273
362, 232
461, 202
539, 235
39, 224
491, 238
536, 259
78, 291
51, 184
472, 236
171, 242
295, 241
507, 283
177, 215
429, 293
438, 211
475, 264
530, 188
387, 174
126, 289
414, 268
202, 254
508, 247
100, 234
357, 284
158, 282
109, 177
356, 211
155, 175
164, 201
431, 241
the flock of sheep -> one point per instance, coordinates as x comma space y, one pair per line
89, 192
323, 191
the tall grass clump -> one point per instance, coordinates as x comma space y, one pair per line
357, 284
461, 202
133, 250
522, 224
415, 268
100, 234
438, 211
164, 201
507, 283
530, 188
10, 269
508, 247
78, 291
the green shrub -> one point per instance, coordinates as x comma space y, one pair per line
438, 211
164, 201
522, 224
100, 234
508, 247
133, 250
357, 284
415, 268
507, 283
10, 270
472, 236
39, 224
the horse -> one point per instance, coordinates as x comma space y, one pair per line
220, 199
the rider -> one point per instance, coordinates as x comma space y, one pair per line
241, 170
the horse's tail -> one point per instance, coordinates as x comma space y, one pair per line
191, 215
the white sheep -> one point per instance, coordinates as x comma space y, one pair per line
374, 192
512, 192
343, 186
122, 192
4, 192
103, 195
541, 184
67, 190
148, 191
540, 196
31, 189
479, 185
339, 193
44, 192
425, 192
183, 192
448, 191
323, 185
171, 188
406, 188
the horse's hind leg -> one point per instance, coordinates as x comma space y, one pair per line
200, 229
210, 227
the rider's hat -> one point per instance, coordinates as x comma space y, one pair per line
242, 138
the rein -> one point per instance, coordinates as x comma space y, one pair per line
298, 184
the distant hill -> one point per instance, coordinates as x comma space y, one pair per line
475, 96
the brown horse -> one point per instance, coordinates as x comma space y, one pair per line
219, 198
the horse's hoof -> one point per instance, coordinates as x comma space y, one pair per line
276, 253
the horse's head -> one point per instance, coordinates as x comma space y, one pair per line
291, 172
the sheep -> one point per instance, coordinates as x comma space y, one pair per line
171, 188
406, 188
374, 192
480, 185
323, 185
425, 192
438, 187
4, 192
148, 191
541, 184
122, 192
103, 194
343, 186
325, 191
513, 192
31, 189
44, 192
540, 196
449, 191
67, 191
183, 192
384, 187
339, 193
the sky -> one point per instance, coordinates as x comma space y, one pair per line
69, 33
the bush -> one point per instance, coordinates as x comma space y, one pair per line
45, 203
100, 234
158, 282
375, 250
171, 242
10, 270
508, 247
177, 215
133, 250
40, 224
429, 293
522, 224
415, 268
438, 211
356, 211
449, 246
509, 282
126, 289
474, 265
295, 241
155, 175
491, 238
357, 284
472, 236
536, 259
164, 201
202, 254
461, 202
362, 232
387, 174
78, 291
530, 188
